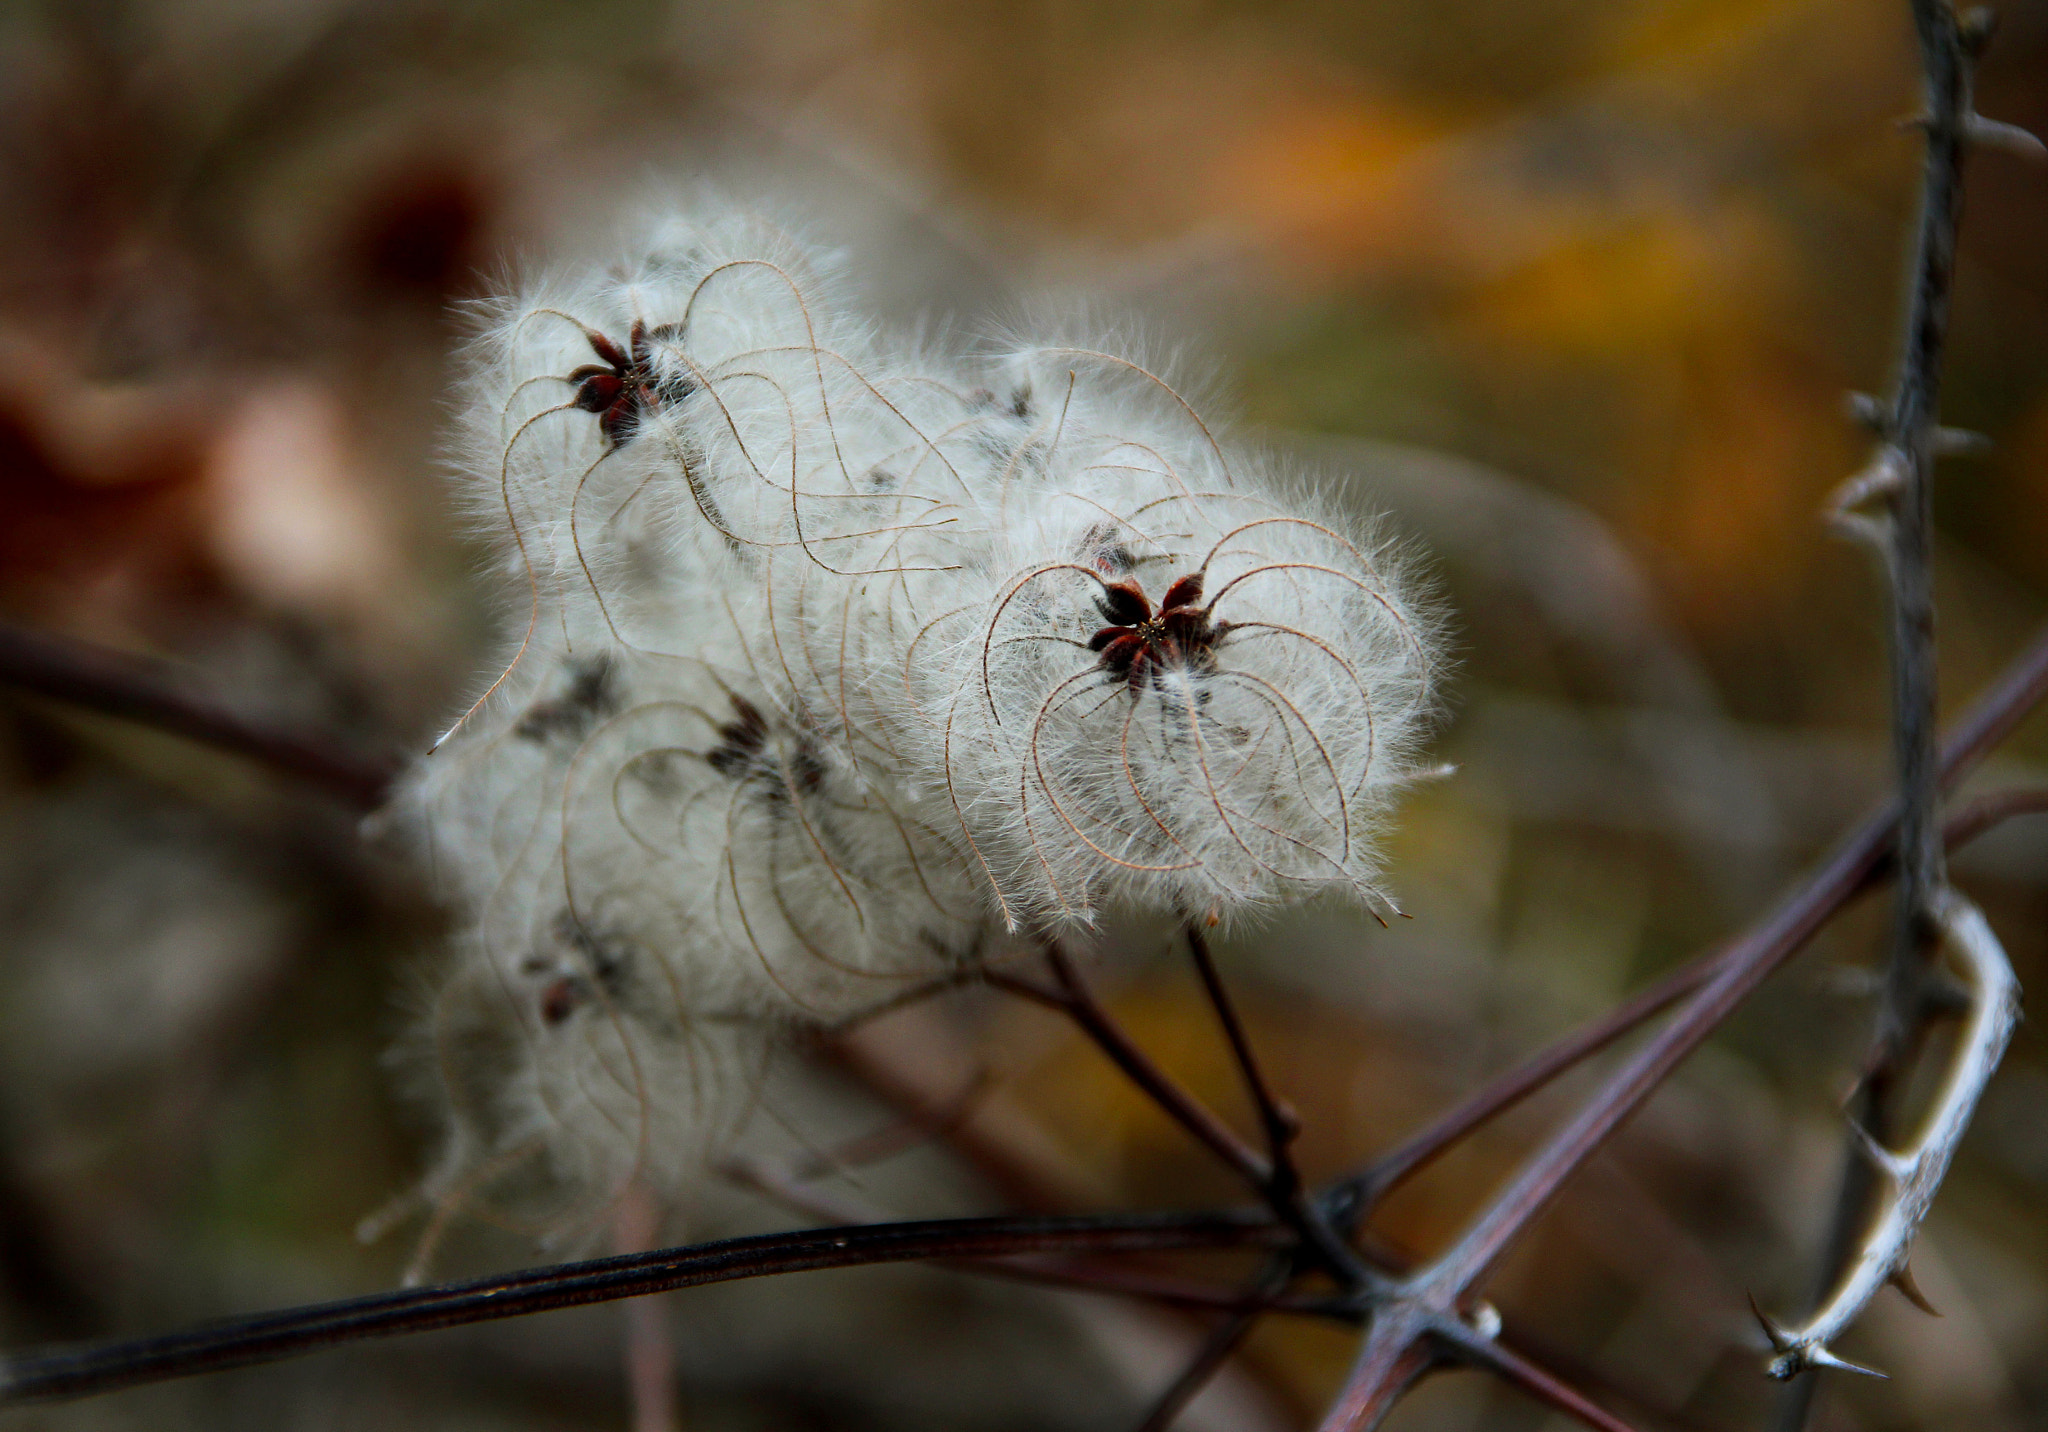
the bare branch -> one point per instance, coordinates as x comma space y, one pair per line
1071, 1273
1546, 1386
1075, 1000
1281, 1124
1283, 1187
1395, 1355
1988, 811
151, 694
102, 1367
1216, 1349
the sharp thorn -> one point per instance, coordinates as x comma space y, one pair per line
1821, 1357
1942, 996
1868, 411
1890, 1163
1876, 1152
1882, 476
1996, 134
1902, 1279
1773, 1334
1958, 442
1858, 528
1975, 27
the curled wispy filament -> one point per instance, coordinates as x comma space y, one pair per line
843, 667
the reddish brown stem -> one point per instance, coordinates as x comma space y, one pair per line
1547, 1387
1395, 1356
650, 1355
1215, 1351
1987, 812
1279, 1123
150, 693
1075, 1274
267, 1336
1075, 1000
1283, 1188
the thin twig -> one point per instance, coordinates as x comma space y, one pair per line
1396, 1166
1284, 1189
1532, 1377
102, 1367
1074, 999
1218, 1347
1987, 811
1078, 1275
1280, 1123
1077, 1001
1008, 1152
151, 694
650, 1355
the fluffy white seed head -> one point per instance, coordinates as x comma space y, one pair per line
1170, 683
839, 667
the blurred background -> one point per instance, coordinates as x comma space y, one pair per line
1572, 291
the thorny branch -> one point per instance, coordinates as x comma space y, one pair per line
1926, 911
1422, 1322
1423, 1319
2024, 684
1916, 1173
